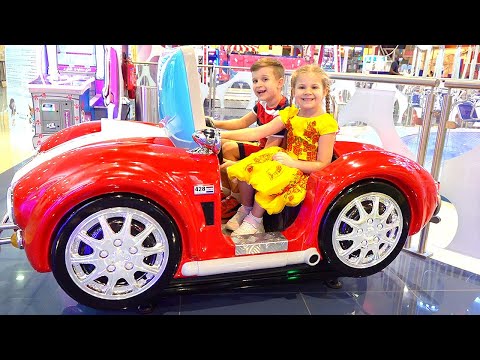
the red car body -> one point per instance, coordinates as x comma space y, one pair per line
57, 181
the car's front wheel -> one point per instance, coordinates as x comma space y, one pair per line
365, 228
116, 252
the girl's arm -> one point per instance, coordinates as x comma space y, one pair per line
255, 133
324, 156
244, 122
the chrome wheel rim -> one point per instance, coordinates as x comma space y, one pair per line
117, 253
367, 230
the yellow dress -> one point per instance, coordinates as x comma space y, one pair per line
278, 185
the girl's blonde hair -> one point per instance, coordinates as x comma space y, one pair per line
316, 69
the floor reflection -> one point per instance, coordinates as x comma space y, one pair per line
411, 285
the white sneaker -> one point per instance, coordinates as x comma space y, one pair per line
249, 227
237, 219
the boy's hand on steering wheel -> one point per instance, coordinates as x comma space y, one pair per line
209, 122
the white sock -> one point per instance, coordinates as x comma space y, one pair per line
246, 209
257, 220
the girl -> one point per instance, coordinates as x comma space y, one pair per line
279, 176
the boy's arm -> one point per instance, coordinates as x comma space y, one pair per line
256, 133
233, 124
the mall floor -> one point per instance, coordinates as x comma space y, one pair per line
411, 285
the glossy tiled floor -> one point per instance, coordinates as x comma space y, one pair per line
409, 286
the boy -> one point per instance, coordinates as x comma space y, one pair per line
268, 79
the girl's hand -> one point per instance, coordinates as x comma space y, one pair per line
283, 158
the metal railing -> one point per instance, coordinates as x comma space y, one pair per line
448, 84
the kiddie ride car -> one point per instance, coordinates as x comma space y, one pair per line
122, 211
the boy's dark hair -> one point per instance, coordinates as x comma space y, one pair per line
278, 69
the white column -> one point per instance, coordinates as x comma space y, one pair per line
426, 64
439, 62
456, 62
473, 65
335, 58
467, 61
420, 58
414, 61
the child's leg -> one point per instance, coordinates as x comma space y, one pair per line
252, 222
226, 182
246, 193
257, 210
230, 184
224, 177
243, 150
231, 154
230, 150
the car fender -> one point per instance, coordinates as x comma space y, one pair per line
325, 185
118, 171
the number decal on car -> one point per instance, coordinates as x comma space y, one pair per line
203, 189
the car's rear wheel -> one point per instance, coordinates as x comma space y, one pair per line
116, 252
365, 228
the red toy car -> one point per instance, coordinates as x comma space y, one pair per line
120, 211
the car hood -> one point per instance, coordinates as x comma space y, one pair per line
110, 130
